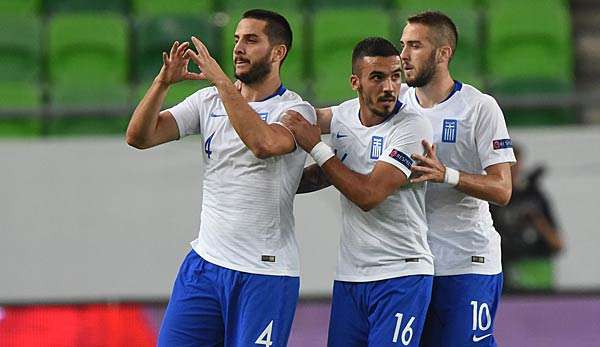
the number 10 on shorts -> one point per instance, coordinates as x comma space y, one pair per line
407, 332
480, 314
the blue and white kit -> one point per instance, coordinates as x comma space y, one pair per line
470, 135
383, 278
246, 246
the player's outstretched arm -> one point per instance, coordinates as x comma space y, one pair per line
495, 186
148, 126
264, 140
366, 191
313, 179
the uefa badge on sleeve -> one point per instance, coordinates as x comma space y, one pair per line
502, 144
401, 158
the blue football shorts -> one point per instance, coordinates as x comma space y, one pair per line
214, 306
382, 313
462, 311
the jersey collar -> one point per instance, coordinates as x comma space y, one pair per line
397, 108
279, 91
395, 111
455, 88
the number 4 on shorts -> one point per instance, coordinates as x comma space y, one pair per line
265, 336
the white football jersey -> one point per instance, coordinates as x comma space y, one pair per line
247, 221
390, 240
470, 134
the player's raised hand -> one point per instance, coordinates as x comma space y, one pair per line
175, 65
209, 67
306, 134
427, 167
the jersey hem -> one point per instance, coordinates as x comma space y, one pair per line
497, 161
380, 277
467, 271
268, 272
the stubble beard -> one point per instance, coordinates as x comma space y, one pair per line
423, 78
257, 73
371, 105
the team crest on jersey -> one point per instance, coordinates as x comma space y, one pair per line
401, 158
502, 143
376, 147
449, 130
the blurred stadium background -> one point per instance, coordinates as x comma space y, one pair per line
92, 232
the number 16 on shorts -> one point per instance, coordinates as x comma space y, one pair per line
407, 332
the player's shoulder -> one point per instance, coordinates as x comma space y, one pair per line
472, 95
485, 109
207, 91
413, 120
408, 114
289, 94
204, 95
342, 113
290, 98
404, 90
346, 108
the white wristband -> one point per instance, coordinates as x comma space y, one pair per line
321, 153
451, 177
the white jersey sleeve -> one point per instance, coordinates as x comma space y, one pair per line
494, 145
188, 112
406, 142
390, 240
305, 109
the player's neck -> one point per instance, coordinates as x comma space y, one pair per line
436, 91
367, 117
262, 90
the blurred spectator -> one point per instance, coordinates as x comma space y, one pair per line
530, 236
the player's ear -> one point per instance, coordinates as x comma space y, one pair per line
444, 53
278, 53
354, 82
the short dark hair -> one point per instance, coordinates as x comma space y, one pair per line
444, 28
372, 47
278, 29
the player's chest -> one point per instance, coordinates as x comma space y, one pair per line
453, 132
359, 148
221, 140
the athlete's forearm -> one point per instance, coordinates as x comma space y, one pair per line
256, 134
313, 179
492, 187
144, 119
356, 187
